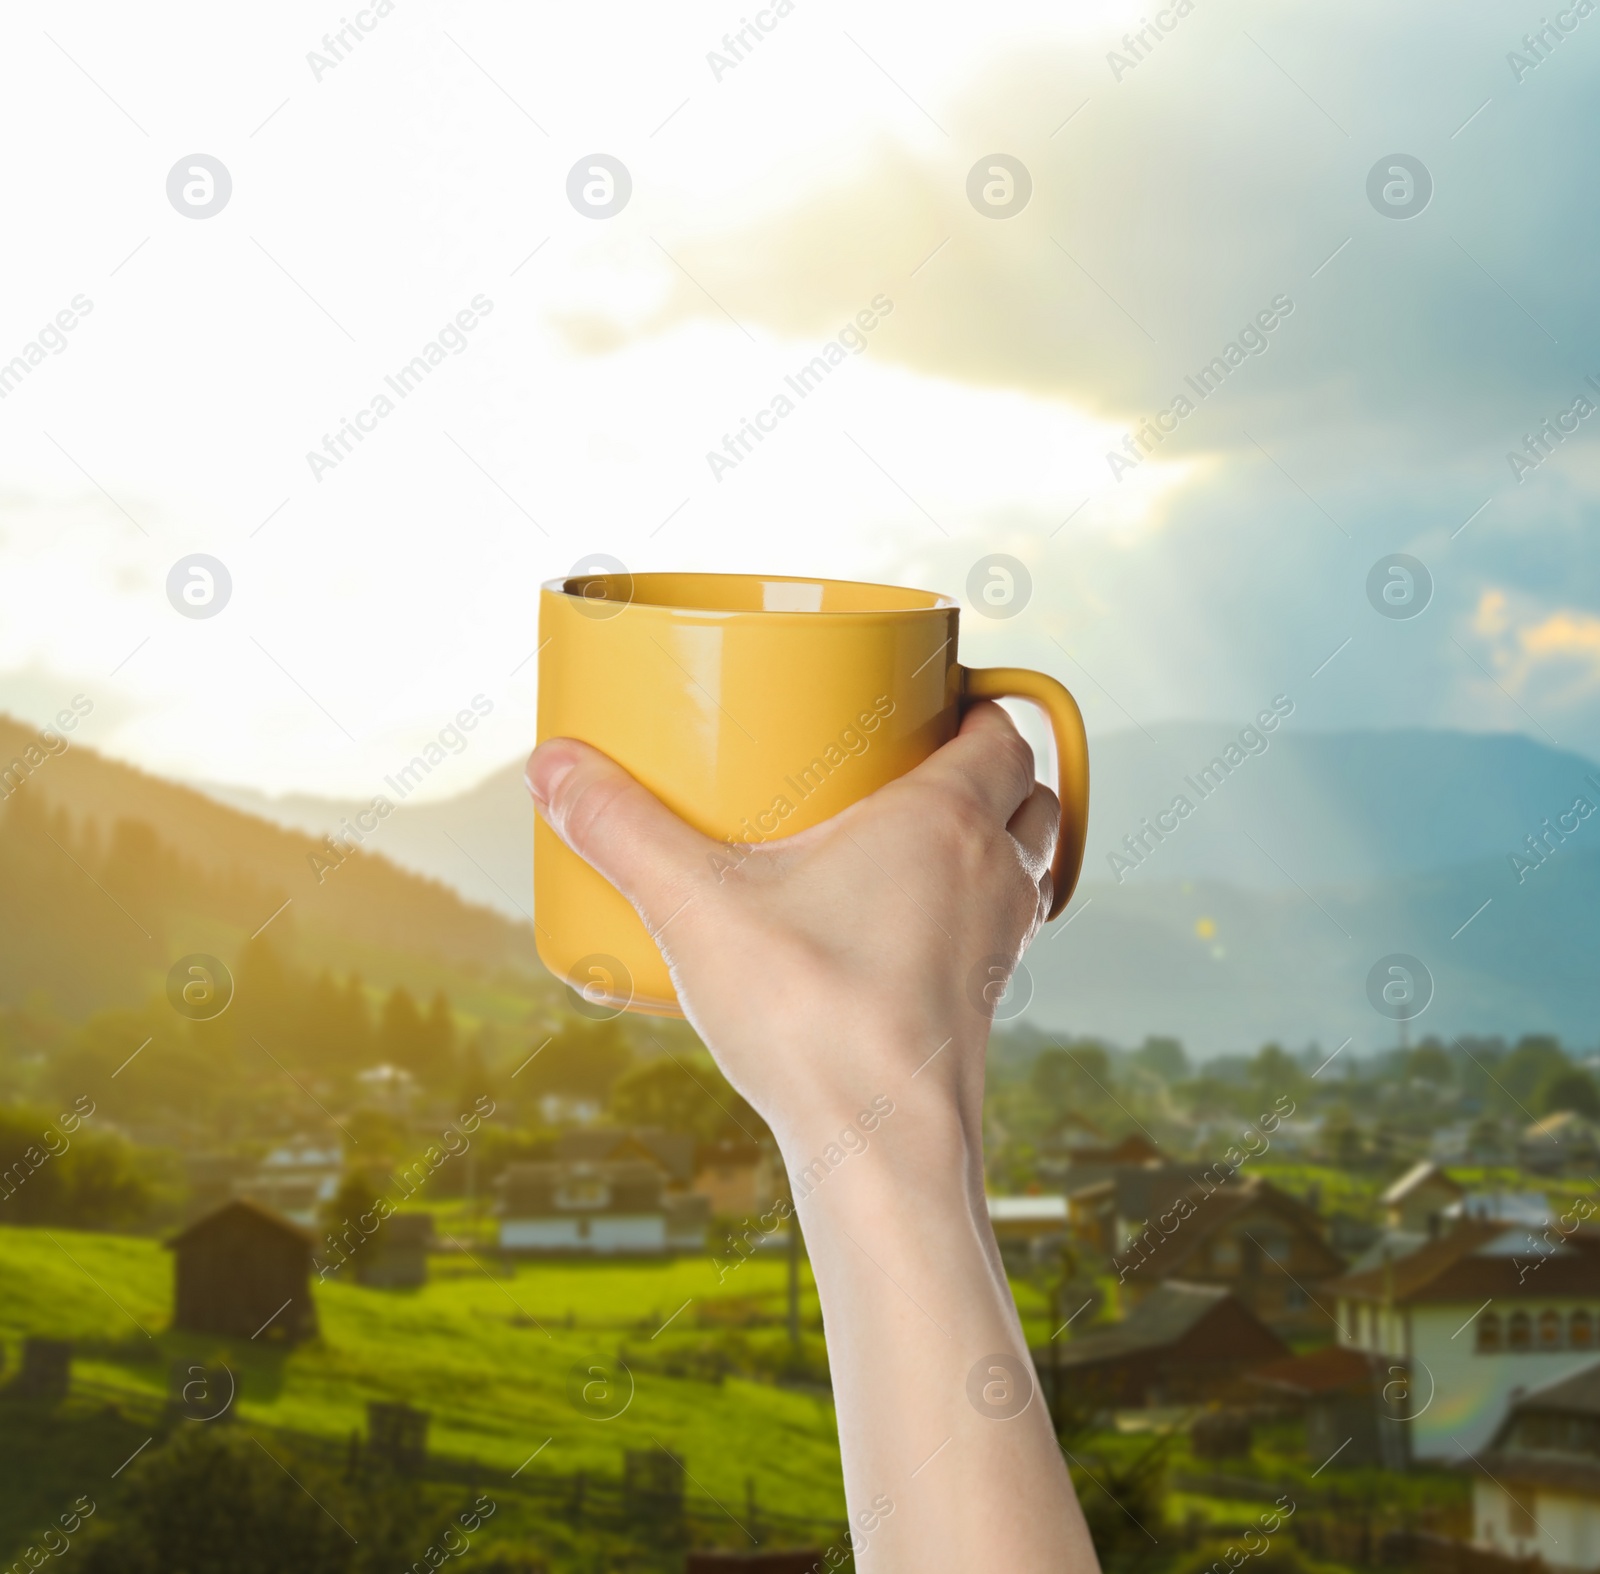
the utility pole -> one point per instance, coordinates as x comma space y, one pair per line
1055, 1354
794, 1269
1067, 1270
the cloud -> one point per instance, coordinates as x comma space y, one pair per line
1553, 655
1229, 168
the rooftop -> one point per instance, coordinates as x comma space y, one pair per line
1418, 1175
1020, 1210
1578, 1394
1214, 1207
1334, 1369
239, 1212
1162, 1318
1479, 1259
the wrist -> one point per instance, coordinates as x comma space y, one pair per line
913, 1144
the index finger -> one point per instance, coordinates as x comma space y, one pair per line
988, 759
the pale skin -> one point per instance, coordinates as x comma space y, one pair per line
829, 969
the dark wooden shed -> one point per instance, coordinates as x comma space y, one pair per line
1354, 1402
244, 1272
1183, 1343
397, 1256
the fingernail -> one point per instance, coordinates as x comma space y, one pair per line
547, 768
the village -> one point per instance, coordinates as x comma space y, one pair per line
1403, 1346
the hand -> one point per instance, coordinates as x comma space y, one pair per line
823, 968
853, 968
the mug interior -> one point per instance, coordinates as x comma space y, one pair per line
749, 593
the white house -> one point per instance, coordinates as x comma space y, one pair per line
391, 1089
1558, 1142
1417, 1201
1537, 1487
1026, 1228
1046, 1214
610, 1208
1507, 1207
297, 1180
1477, 1317
1416, 1208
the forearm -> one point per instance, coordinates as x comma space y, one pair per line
938, 1415
833, 974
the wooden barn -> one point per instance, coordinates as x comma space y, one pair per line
1244, 1235
397, 1256
244, 1272
1182, 1344
1354, 1403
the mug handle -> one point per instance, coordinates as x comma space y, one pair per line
1072, 759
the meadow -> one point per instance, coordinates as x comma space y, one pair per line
498, 1356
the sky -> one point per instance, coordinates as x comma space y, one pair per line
1018, 393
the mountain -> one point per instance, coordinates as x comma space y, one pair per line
109, 874
1321, 808
1261, 913
1324, 808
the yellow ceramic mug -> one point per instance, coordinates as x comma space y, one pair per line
753, 707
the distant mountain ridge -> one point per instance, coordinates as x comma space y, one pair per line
1332, 808
1261, 914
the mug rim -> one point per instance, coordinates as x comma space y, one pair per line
936, 601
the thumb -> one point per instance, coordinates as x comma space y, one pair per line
620, 828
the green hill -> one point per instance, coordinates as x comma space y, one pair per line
108, 875
491, 1358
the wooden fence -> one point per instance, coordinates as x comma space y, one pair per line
652, 1500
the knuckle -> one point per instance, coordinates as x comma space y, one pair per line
1019, 756
964, 819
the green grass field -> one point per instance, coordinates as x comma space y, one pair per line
489, 1354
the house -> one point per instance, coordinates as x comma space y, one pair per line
392, 1090
1416, 1203
1076, 1162
1182, 1343
606, 1208
738, 1179
672, 1152
1067, 1137
1109, 1204
297, 1179
1244, 1235
1354, 1402
564, 1109
1531, 1208
1417, 1207
1481, 1314
1028, 1229
1093, 1222
396, 1257
1451, 1144
1536, 1488
1565, 1140
243, 1272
